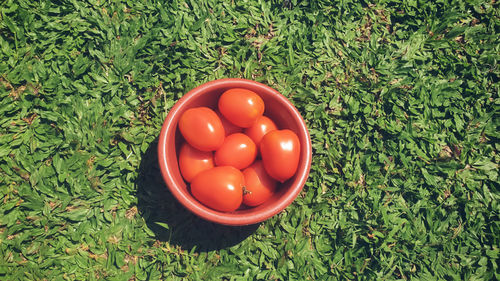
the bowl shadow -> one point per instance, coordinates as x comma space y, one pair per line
173, 223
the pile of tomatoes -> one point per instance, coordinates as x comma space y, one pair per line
235, 155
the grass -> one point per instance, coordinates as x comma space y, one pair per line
402, 103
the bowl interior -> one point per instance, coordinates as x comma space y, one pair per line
279, 109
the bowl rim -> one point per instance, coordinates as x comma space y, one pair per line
198, 208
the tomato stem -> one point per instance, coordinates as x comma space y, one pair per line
246, 191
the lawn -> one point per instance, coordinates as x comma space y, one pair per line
401, 101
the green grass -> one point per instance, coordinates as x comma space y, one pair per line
402, 103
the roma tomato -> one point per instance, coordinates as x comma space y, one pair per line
238, 150
220, 188
280, 151
241, 107
262, 126
259, 186
193, 161
229, 128
202, 128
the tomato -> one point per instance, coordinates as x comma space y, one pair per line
262, 126
220, 188
259, 186
280, 151
241, 107
193, 161
229, 127
202, 128
238, 150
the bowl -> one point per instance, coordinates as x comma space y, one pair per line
277, 107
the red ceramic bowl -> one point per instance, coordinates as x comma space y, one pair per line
278, 108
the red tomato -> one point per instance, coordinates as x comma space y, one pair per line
280, 152
259, 186
262, 126
220, 188
202, 128
241, 107
238, 150
229, 127
193, 161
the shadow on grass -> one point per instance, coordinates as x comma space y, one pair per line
157, 205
